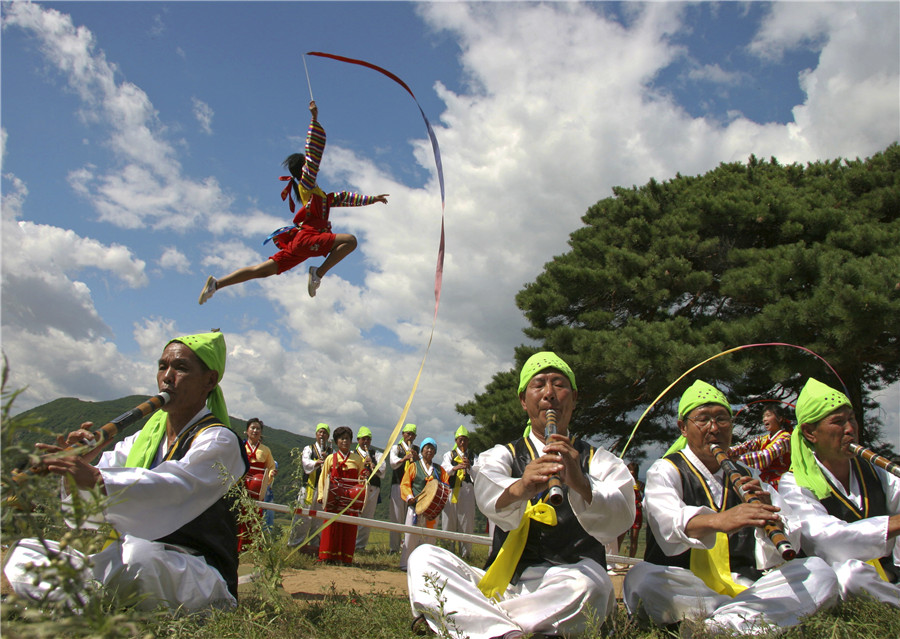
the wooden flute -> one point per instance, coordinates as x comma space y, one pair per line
776, 535
102, 436
876, 459
555, 491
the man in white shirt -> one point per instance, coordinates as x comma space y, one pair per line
552, 570
373, 490
459, 512
849, 509
708, 558
401, 456
311, 460
166, 486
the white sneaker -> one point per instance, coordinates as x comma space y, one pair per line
208, 289
314, 281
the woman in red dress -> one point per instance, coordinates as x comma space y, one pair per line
338, 541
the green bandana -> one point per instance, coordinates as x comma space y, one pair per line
699, 394
462, 431
364, 431
210, 348
323, 427
816, 401
540, 361
409, 428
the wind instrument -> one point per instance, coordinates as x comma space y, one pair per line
876, 459
555, 491
776, 535
101, 437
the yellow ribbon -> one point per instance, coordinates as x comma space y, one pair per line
878, 568
496, 579
460, 476
714, 567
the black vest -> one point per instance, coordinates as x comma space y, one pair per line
398, 472
874, 505
565, 543
374, 480
214, 532
453, 478
695, 492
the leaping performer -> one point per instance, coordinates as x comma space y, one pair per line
310, 234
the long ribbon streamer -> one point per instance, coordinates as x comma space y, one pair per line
709, 359
438, 275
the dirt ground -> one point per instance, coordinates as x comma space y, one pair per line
314, 584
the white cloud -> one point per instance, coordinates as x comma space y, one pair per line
174, 259
204, 114
150, 190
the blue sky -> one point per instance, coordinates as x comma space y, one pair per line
142, 145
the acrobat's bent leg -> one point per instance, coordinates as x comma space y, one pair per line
344, 245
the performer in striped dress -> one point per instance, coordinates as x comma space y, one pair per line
770, 454
310, 235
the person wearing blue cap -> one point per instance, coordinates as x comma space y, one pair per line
459, 513
417, 476
708, 558
547, 571
176, 541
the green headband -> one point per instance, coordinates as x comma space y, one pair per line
462, 431
323, 427
210, 349
541, 361
699, 394
816, 401
409, 428
364, 431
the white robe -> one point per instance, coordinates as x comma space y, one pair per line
547, 600
460, 517
145, 504
847, 546
668, 594
302, 526
368, 511
397, 509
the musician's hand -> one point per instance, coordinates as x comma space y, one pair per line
85, 475
319, 462
571, 475
533, 481
751, 486
743, 515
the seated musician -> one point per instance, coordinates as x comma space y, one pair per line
166, 486
850, 509
551, 571
707, 553
415, 478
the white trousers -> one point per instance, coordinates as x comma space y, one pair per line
859, 579
368, 511
411, 541
460, 517
398, 516
780, 598
302, 526
547, 600
134, 566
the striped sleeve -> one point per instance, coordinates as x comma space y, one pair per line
315, 147
347, 198
763, 459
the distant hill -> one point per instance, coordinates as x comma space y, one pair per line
67, 414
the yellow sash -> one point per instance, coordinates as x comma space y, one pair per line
497, 578
878, 568
460, 476
714, 567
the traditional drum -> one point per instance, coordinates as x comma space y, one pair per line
432, 499
254, 485
342, 491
